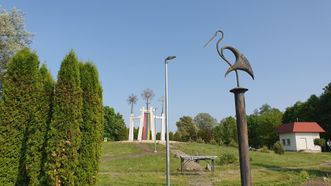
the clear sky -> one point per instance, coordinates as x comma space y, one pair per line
286, 42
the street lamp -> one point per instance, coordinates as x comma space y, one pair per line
166, 119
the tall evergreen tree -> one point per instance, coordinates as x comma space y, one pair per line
21, 121
46, 99
64, 134
92, 126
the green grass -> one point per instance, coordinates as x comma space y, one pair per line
137, 164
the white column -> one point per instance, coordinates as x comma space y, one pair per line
151, 111
141, 124
131, 127
162, 127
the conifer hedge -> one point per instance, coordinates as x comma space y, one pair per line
92, 126
64, 136
21, 123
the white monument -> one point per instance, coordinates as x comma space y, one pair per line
147, 125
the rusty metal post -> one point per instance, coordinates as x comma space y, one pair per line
245, 172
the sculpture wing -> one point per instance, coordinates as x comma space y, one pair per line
241, 62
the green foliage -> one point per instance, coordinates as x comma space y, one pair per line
315, 108
114, 125
177, 136
92, 125
186, 128
200, 140
227, 131
13, 37
304, 175
213, 142
205, 123
262, 126
278, 148
320, 142
64, 136
264, 149
227, 158
171, 136
22, 126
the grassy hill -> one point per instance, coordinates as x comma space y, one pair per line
138, 164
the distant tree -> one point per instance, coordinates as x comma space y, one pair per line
324, 112
177, 136
171, 136
114, 125
92, 126
147, 95
228, 130
268, 122
22, 126
64, 135
132, 100
253, 135
13, 37
158, 136
205, 122
186, 128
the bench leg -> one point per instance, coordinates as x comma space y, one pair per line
212, 165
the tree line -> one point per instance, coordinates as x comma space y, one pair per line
50, 131
262, 124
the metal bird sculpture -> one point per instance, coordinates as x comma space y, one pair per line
241, 62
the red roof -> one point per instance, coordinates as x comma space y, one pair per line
299, 127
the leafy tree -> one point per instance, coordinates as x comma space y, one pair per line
268, 122
21, 123
253, 135
177, 136
205, 122
13, 37
186, 128
114, 125
171, 136
92, 125
324, 111
64, 136
228, 130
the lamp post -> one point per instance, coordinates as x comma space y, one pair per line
166, 119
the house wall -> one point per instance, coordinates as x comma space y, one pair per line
305, 141
299, 141
292, 146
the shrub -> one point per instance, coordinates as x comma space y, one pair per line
227, 158
213, 142
264, 149
200, 140
319, 141
278, 148
304, 175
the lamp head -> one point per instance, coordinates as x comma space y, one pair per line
170, 58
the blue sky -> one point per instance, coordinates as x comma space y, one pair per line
286, 42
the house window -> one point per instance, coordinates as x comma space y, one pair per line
288, 142
283, 140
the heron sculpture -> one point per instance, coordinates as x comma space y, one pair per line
241, 62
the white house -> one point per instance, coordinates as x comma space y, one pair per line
299, 136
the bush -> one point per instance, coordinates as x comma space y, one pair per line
200, 140
264, 149
304, 175
278, 148
227, 158
213, 142
320, 142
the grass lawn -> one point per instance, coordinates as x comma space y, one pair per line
138, 164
